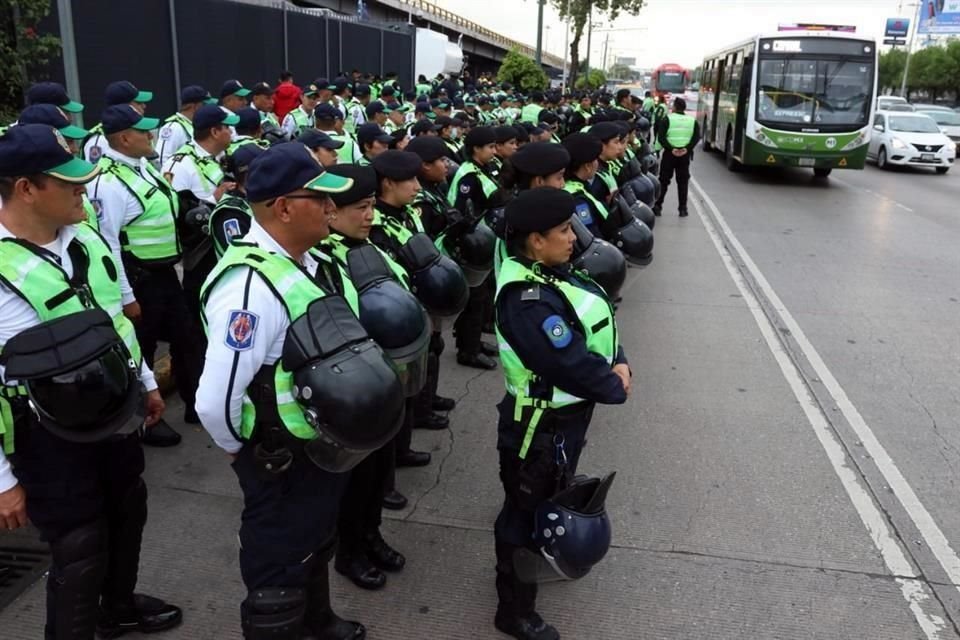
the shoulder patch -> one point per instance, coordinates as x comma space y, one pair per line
557, 331
97, 205
583, 212
531, 293
231, 228
464, 188
95, 153
241, 329
166, 132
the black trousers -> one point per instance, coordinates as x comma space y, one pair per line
285, 520
423, 406
526, 483
362, 503
165, 316
468, 327
670, 165
70, 486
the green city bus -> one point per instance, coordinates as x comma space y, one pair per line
798, 99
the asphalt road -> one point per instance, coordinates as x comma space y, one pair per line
786, 463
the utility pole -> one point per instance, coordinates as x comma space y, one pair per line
540, 4
606, 43
913, 36
589, 34
566, 47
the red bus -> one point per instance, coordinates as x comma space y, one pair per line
669, 79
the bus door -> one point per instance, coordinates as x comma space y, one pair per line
743, 101
718, 84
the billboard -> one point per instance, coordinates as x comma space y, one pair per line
897, 28
939, 16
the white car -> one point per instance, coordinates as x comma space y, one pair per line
893, 103
910, 139
947, 119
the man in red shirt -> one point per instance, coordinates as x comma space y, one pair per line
287, 96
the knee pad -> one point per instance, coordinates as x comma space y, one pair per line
80, 564
273, 613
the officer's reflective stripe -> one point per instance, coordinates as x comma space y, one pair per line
468, 168
208, 166
296, 290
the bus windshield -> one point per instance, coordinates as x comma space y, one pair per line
814, 92
671, 81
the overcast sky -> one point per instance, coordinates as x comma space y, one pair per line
680, 31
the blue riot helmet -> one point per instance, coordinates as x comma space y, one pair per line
571, 534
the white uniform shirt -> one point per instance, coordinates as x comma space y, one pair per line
170, 138
358, 113
290, 125
116, 207
18, 315
187, 176
232, 361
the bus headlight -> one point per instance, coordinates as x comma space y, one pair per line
897, 143
856, 142
763, 138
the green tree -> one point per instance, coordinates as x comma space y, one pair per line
522, 72
928, 69
23, 50
592, 80
953, 67
890, 72
579, 12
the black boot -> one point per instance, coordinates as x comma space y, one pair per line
320, 619
476, 360
529, 627
356, 566
443, 404
432, 421
394, 500
143, 614
516, 606
489, 349
161, 435
382, 554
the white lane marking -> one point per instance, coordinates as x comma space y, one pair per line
872, 193
914, 591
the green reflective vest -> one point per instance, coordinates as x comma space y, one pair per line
577, 188
233, 202
347, 154
45, 286
151, 237
183, 121
337, 246
530, 113
269, 116
242, 140
424, 89
606, 174
91, 212
296, 290
680, 130
596, 321
302, 120
208, 167
468, 168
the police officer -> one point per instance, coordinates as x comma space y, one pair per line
231, 218
373, 141
138, 218
678, 134
271, 296
177, 130
87, 500
357, 108
609, 134
560, 356
362, 554
325, 149
327, 117
262, 98
117, 93
302, 117
234, 96
52, 93
582, 113
531, 110
585, 150
473, 192
249, 130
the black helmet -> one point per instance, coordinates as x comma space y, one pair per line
273, 134
496, 219
599, 259
633, 238
79, 375
472, 249
643, 123
435, 279
643, 213
649, 164
345, 384
571, 533
642, 188
391, 315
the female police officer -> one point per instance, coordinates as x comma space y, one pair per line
560, 355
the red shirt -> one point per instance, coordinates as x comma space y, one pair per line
286, 98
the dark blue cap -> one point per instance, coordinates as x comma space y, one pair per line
52, 115
27, 149
310, 90
362, 90
388, 91
245, 154
315, 139
422, 107
326, 111
52, 93
121, 117
195, 93
324, 84
262, 89
374, 108
248, 120
341, 83
371, 132
123, 92
233, 88
210, 115
288, 167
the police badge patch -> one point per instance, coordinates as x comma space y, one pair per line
557, 331
166, 132
97, 205
231, 228
95, 153
241, 327
583, 212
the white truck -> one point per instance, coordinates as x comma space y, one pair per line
436, 54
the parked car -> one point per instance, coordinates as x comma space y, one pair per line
910, 139
947, 119
893, 103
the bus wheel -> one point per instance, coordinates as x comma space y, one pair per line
822, 172
732, 163
706, 145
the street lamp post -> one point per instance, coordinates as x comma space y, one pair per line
540, 4
906, 66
